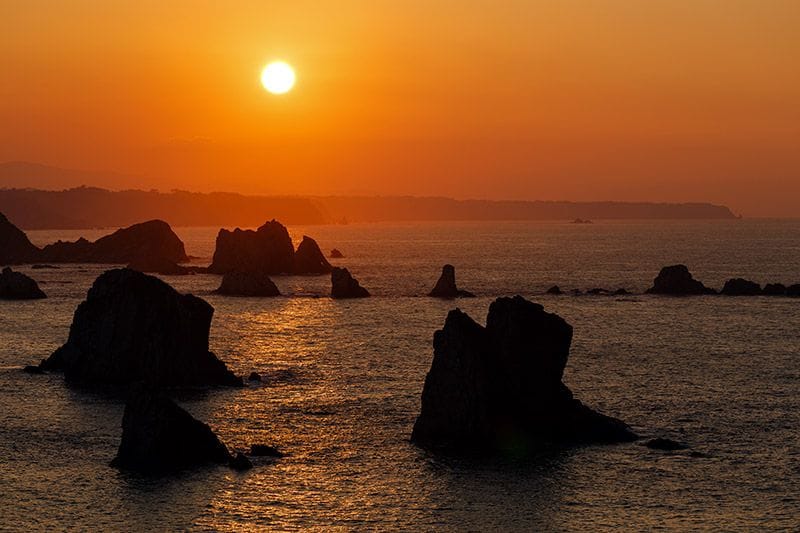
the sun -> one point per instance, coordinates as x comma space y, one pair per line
278, 77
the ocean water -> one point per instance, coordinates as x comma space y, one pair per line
344, 380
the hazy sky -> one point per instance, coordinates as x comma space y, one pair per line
665, 100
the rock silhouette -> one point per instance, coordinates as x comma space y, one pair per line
661, 443
774, 289
18, 286
499, 386
247, 284
15, 248
265, 450
336, 254
158, 265
134, 327
555, 289
793, 290
446, 286
159, 436
343, 285
741, 287
309, 259
268, 249
676, 280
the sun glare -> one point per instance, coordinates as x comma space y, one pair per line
278, 77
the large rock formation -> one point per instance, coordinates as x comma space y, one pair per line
18, 286
309, 259
134, 327
268, 249
153, 240
15, 248
446, 286
774, 289
247, 284
159, 436
793, 290
741, 287
343, 285
676, 280
499, 386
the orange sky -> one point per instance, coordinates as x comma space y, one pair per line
682, 100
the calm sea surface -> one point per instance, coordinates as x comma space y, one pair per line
345, 377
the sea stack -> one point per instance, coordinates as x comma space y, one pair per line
15, 248
446, 286
309, 259
499, 387
343, 285
268, 249
247, 284
18, 286
134, 327
741, 287
676, 280
159, 436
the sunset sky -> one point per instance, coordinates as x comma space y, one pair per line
683, 100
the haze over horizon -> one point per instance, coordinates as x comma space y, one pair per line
686, 101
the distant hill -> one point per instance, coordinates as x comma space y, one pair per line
88, 207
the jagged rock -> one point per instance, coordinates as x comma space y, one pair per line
247, 284
555, 289
661, 443
240, 462
676, 280
336, 254
158, 265
254, 376
500, 387
343, 285
793, 290
446, 286
18, 286
149, 241
160, 436
774, 289
741, 287
264, 450
134, 327
15, 248
309, 259
268, 249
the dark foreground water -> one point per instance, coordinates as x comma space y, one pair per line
344, 379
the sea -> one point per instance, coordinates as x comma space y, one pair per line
343, 380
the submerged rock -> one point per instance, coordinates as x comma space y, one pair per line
555, 289
264, 450
152, 241
676, 280
268, 249
774, 289
661, 443
741, 287
254, 376
160, 436
343, 285
15, 248
247, 284
499, 386
240, 462
446, 286
134, 327
597, 291
621, 292
309, 259
336, 254
158, 265
18, 286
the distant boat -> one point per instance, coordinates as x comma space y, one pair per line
582, 221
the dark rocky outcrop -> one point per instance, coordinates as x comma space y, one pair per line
240, 462
254, 376
741, 287
247, 284
159, 436
499, 386
33, 369
793, 290
555, 289
268, 249
621, 292
676, 280
343, 285
336, 254
18, 286
661, 443
309, 259
15, 248
158, 265
446, 286
774, 289
264, 450
152, 241
134, 327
